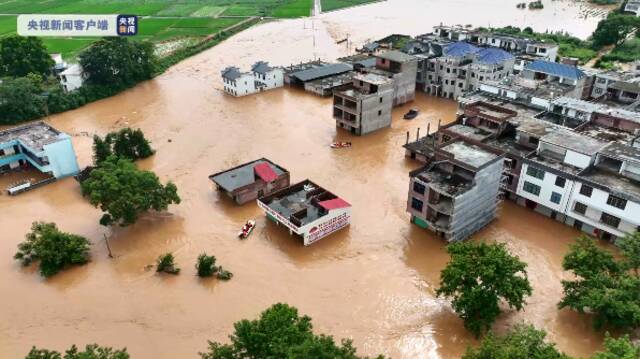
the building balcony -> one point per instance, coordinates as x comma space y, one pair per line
442, 205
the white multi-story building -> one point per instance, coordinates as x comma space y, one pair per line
262, 77
238, 83
584, 182
267, 77
72, 78
633, 6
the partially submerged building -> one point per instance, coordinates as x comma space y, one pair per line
72, 77
261, 77
307, 210
402, 69
456, 193
318, 77
39, 146
252, 180
366, 105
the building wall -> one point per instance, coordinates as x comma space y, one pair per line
597, 204
62, 158
477, 207
272, 79
251, 192
404, 83
242, 86
375, 111
547, 187
71, 82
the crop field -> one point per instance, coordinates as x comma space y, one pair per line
161, 20
328, 5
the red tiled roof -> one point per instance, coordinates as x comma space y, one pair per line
264, 171
334, 204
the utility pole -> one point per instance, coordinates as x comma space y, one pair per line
106, 241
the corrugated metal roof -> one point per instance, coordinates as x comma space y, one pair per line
334, 204
493, 56
321, 71
264, 171
555, 69
459, 49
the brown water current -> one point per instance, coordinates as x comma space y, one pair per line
373, 282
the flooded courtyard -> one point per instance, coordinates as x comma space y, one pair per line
373, 282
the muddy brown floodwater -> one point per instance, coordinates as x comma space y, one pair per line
373, 282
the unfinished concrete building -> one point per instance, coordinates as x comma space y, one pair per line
456, 193
366, 106
402, 69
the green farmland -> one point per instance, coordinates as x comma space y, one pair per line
330, 5
162, 20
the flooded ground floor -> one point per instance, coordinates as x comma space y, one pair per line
373, 282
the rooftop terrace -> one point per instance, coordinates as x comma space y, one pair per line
34, 135
574, 141
469, 154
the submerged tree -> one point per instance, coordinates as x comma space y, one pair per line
126, 143
279, 333
477, 277
123, 192
521, 342
91, 351
206, 265
621, 348
165, 263
54, 249
604, 286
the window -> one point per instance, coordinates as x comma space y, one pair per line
610, 220
531, 188
379, 112
416, 204
616, 202
580, 208
560, 182
586, 190
380, 99
460, 84
419, 187
556, 197
535, 172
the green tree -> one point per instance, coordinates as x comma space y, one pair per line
621, 348
602, 286
614, 29
630, 247
92, 351
118, 62
54, 249
206, 265
279, 333
165, 263
20, 99
477, 277
20, 56
126, 143
521, 342
123, 192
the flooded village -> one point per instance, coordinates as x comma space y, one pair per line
357, 164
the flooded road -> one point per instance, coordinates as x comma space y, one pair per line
373, 282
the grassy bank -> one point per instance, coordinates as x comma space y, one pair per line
330, 5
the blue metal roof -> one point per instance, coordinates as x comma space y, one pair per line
459, 49
556, 69
493, 56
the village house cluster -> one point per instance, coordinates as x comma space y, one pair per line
261, 77
531, 127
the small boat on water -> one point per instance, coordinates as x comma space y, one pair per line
341, 144
247, 229
413, 113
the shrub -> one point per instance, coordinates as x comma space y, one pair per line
223, 274
166, 264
